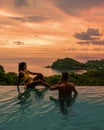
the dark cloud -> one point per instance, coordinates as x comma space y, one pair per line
83, 36
93, 32
21, 3
91, 49
94, 42
88, 35
75, 6
84, 49
18, 43
30, 19
91, 36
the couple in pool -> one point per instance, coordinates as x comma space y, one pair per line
64, 87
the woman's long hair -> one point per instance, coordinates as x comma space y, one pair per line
21, 66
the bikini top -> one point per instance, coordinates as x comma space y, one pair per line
26, 78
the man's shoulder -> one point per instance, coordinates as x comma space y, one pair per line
70, 84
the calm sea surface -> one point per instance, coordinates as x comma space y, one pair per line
36, 62
35, 110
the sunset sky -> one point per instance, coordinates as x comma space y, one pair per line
52, 26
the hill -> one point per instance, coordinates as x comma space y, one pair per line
67, 64
93, 77
71, 64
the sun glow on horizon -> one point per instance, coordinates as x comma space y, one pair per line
56, 26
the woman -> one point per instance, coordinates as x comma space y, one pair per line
27, 80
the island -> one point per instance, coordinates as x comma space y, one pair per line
94, 75
72, 64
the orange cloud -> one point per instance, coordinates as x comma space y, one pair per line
37, 26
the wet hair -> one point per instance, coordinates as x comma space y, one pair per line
65, 75
21, 66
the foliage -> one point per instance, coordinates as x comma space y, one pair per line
53, 79
90, 78
9, 78
93, 77
2, 69
94, 64
67, 64
71, 64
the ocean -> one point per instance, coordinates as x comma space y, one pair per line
37, 62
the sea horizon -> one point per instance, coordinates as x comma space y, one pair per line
37, 62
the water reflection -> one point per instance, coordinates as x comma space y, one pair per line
31, 94
65, 104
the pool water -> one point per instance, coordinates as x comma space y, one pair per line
37, 110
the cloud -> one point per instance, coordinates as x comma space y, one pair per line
30, 19
88, 34
83, 36
84, 49
93, 32
10, 43
18, 43
74, 7
94, 42
20, 3
91, 36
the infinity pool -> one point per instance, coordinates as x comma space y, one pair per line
35, 110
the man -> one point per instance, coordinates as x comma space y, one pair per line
65, 90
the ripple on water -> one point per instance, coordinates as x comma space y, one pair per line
37, 111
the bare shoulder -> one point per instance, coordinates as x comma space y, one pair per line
70, 84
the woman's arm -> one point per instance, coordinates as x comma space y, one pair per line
19, 79
18, 83
33, 73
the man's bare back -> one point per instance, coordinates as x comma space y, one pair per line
64, 87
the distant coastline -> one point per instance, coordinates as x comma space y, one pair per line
72, 64
90, 73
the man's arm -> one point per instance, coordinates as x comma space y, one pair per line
74, 90
55, 87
